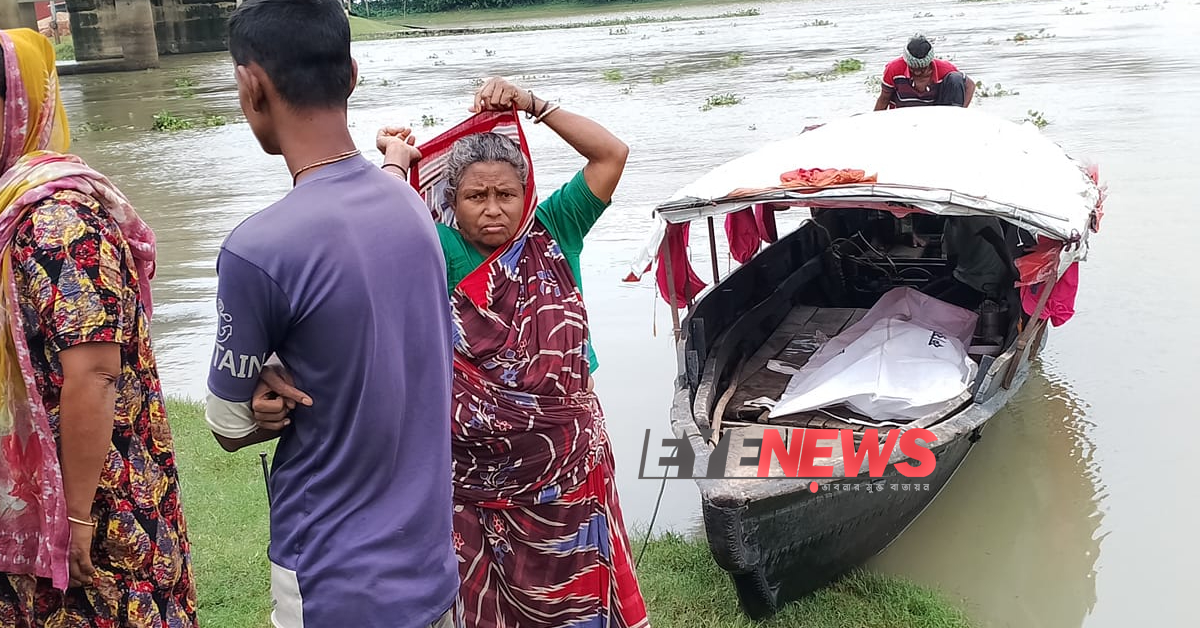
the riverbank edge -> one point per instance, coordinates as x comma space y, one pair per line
446, 24
363, 29
224, 501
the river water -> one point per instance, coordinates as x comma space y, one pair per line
1072, 511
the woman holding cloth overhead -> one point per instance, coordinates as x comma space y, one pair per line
537, 525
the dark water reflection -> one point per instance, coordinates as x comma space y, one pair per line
1072, 511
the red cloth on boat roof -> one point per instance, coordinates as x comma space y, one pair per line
764, 215
687, 283
741, 230
1038, 265
747, 229
821, 177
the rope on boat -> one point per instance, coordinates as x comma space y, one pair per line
720, 410
650, 530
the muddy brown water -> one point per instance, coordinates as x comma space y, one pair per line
1074, 510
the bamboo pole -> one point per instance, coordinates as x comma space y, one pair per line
1034, 327
712, 249
666, 251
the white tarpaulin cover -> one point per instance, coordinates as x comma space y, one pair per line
905, 359
944, 160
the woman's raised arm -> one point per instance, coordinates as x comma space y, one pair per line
605, 153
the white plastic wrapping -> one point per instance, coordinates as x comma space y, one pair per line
904, 360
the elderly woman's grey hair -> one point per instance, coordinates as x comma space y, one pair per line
482, 147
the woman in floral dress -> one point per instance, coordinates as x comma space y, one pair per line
91, 529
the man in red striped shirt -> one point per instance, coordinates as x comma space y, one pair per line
918, 79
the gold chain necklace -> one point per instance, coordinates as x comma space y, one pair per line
325, 162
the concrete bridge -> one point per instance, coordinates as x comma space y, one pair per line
114, 35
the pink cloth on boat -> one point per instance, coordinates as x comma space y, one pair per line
1060, 307
687, 283
765, 218
741, 229
748, 229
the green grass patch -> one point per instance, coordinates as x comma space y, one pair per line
684, 588
225, 502
721, 100
184, 86
98, 126
997, 91
65, 50
1023, 37
1037, 119
167, 121
360, 27
840, 68
846, 66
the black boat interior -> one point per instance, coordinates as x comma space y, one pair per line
777, 310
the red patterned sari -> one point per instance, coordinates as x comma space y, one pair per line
538, 528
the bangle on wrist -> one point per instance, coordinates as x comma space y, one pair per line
532, 105
81, 522
547, 110
394, 165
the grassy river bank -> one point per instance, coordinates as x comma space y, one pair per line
226, 507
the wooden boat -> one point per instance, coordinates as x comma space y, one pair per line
779, 540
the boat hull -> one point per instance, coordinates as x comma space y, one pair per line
778, 541
780, 549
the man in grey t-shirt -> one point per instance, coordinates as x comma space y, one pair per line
343, 280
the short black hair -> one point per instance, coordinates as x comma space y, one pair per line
302, 45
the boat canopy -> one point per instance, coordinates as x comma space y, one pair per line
949, 161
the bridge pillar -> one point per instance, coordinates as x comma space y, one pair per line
187, 26
114, 30
18, 14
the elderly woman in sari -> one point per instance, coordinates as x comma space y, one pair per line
538, 527
91, 528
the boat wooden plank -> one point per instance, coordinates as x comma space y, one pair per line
795, 323
745, 442
828, 321
739, 448
858, 315
792, 343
